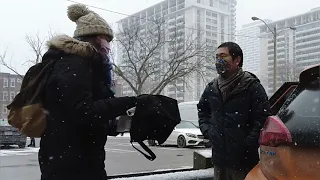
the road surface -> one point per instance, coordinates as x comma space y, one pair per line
121, 158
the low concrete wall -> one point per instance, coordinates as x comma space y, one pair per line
149, 173
205, 174
202, 159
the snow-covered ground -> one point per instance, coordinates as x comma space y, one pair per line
186, 175
126, 135
207, 153
18, 152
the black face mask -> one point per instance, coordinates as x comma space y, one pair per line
221, 66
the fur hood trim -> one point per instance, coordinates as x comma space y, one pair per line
71, 46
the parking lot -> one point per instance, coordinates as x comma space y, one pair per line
121, 158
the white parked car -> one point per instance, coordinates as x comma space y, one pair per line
186, 133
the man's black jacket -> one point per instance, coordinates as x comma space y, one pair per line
233, 127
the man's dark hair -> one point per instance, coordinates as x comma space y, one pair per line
234, 51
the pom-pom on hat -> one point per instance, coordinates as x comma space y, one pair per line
88, 22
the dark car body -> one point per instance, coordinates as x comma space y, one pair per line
10, 135
290, 139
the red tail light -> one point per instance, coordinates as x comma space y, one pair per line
274, 133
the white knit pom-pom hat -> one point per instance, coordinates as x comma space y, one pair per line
88, 22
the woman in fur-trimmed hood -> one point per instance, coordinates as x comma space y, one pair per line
80, 104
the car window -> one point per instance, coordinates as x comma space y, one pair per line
301, 114
304, 102
196, 123
186, 124
281, 95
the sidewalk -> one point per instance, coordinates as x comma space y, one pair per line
125, 135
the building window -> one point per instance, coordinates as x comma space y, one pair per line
5, 82
19, 80
198, 1
4, 109
172, 96
12, 82
12, 94
180, 95
181, 1
5, 96
211, 3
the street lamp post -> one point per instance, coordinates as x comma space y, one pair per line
275, 33
274, 59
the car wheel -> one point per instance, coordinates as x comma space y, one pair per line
181, 142
22, 145
152, 142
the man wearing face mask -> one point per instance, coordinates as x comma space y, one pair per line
232, 110
79, 101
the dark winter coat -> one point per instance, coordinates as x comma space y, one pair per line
80, 111
233, 127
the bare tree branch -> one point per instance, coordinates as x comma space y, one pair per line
155, 54
119, 72
4, 63
36, 44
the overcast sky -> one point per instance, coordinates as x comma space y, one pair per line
20, 17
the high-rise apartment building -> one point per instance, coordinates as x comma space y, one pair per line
248, 37
251, 43
213, 20
298, 45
